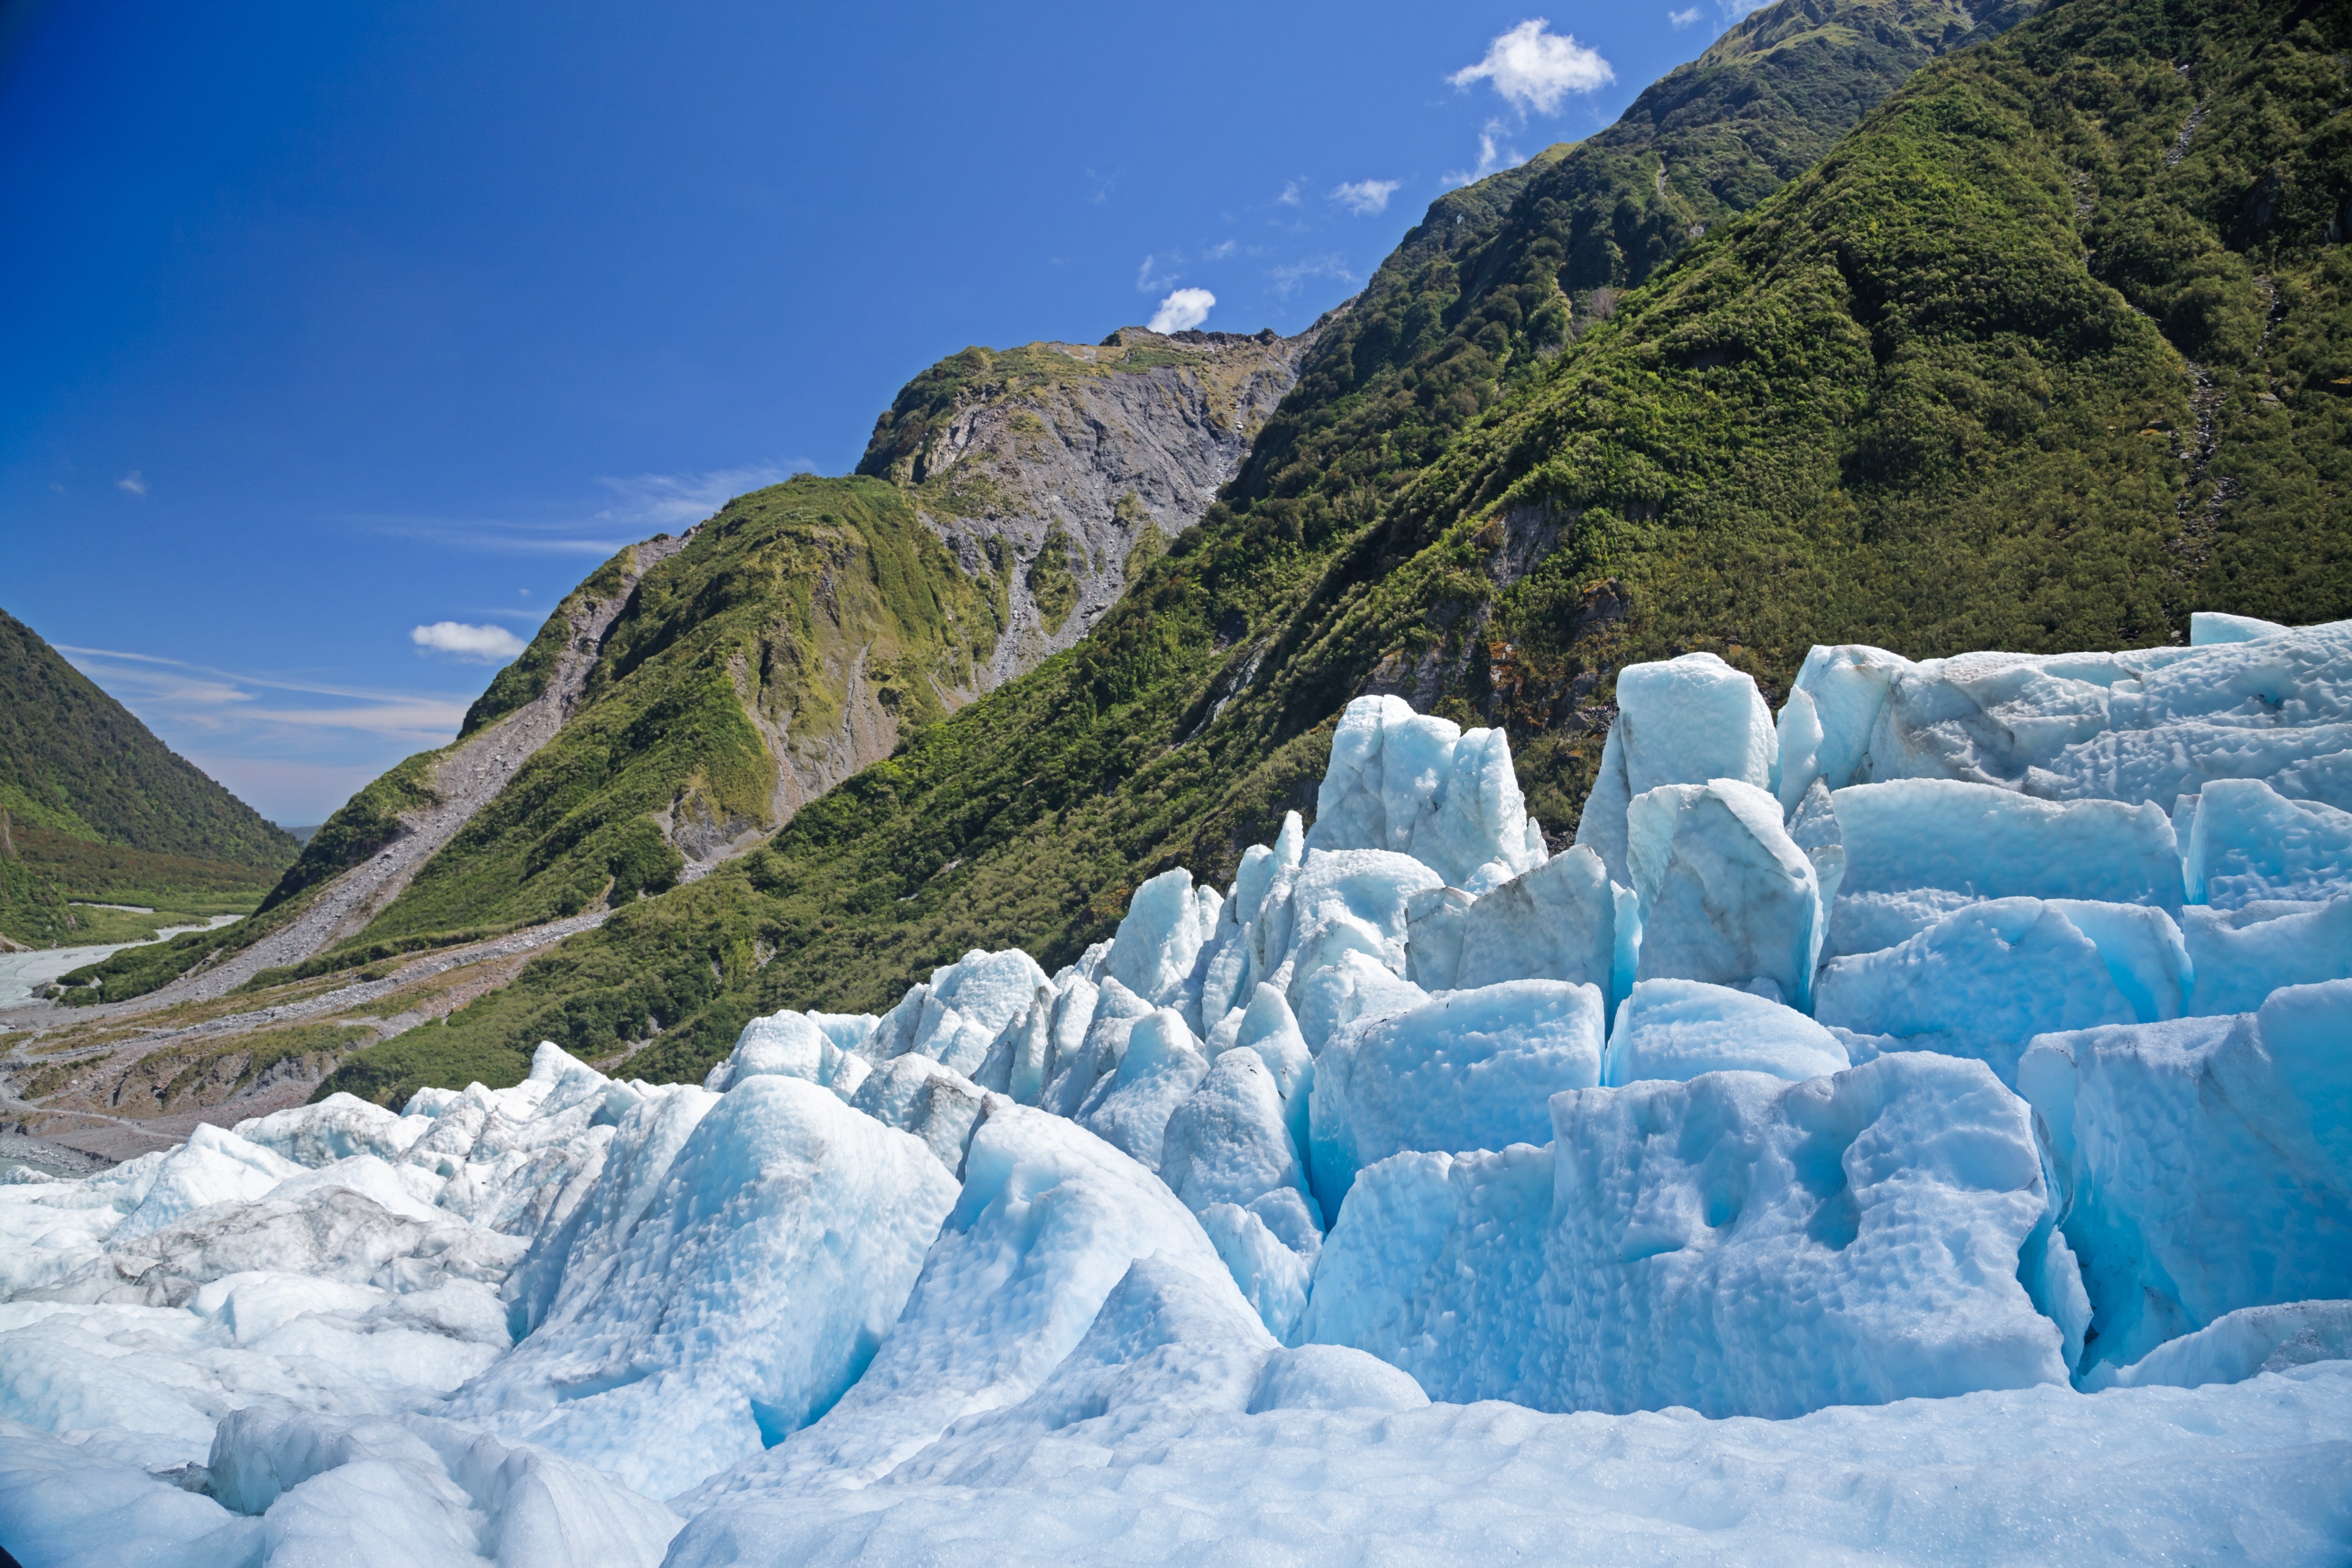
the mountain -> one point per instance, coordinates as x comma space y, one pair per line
99, 811
695, 691
1194, 714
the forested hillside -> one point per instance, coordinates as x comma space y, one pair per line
101, 810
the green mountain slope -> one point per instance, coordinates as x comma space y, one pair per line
1195, 713
101, 810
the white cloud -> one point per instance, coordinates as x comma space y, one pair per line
1150, 278
1221, 250
1365, 197
1533, 69
1682, 19
1493, 154
484, 645
1185, 308
1287, 280
1289, 196
1735, 9
133, 482
1182, 309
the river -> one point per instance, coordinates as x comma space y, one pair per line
22, 974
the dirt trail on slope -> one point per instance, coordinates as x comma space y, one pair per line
464, 780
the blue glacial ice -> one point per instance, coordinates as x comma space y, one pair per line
1915, 1127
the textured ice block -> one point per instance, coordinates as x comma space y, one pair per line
2240, 956
1471, 1070
746, 1300
1996, 843
1048, 1224
1677, 1029
1557, 922
2247, 842
1725, 895
1415, 783
1982, 982
1682, 722
1735, 1243
2203, 1165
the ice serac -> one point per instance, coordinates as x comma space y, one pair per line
1725, 896
419, 1490
2203, 1165
2240, 956
1167, 923
1737, 1244
1677, 1029
1049, 1219
1415, 784
1557, 922
791, 1045
1228, 1143
2248, 843
747, 1298
1162, 1067
1980, 983
1991, 843
1471, 1070
336, 1128
1683, 722
961, 1014
2143, 725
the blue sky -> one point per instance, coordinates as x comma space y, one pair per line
337, 334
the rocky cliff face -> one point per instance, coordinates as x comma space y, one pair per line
1066, 466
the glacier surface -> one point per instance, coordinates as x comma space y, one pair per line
1917, 1126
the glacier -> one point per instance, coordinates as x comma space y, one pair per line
1915, 1125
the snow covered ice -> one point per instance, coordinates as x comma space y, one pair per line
1916, 1125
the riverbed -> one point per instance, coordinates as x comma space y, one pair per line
23, 973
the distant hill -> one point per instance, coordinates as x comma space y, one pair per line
100, 811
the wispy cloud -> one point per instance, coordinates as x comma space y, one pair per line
1287, 279
477, 645
1290, 196
1534, 68
133, 482
1155, 275
1185, 308
1221, 250
499, 536
1682, 19
1365, 197
1493, 154
177, 697
681, 500
637, 505
1734, 10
